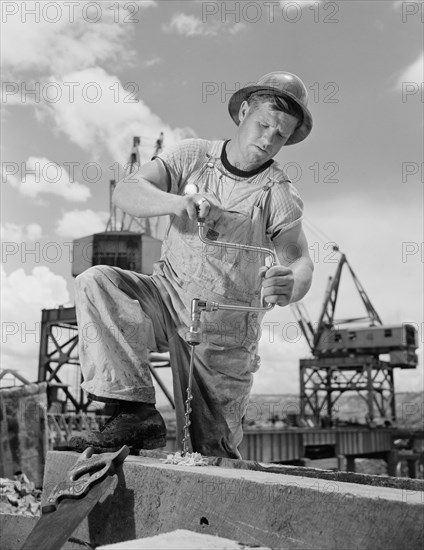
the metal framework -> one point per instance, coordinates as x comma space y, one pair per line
331, 373
324, 380
127, 222
14, 375
329, 306
59, 364
326, 319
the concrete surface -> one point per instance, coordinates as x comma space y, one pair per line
403, 483
181, 539
15, 529
251, 507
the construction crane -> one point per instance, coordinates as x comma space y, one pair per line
127, 222
347, 355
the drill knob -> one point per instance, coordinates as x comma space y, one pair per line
193, 337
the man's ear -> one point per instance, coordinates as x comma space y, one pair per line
244, 108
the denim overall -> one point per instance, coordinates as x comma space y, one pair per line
226, 358
133, 314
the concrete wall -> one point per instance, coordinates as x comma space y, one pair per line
14, 530
252, 507
23, 431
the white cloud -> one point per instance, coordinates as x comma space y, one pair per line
190, 25
14, 93
33, 231
42, 288
42, 176
78, 223
151, 62
64, 40
22, 299
12, 232
298, 4
414, 73
236, 28
112, 121
93, 109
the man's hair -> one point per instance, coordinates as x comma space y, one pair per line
285, 105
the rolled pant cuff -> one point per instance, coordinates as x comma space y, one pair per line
141, 395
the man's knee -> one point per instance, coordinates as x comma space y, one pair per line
94, 276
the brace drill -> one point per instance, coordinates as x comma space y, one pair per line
194, 334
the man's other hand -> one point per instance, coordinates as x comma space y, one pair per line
277, 284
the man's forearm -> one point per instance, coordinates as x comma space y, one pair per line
302, 273
140, 198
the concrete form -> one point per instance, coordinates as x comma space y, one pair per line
275, 510
181, 538
14, 530
23, 431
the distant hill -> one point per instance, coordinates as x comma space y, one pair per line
350, 407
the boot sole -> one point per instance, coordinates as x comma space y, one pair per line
148, 444
153, 443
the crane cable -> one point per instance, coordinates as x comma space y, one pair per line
318, 232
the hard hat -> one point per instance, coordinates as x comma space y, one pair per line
282, 84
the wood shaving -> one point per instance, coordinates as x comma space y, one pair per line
189, 459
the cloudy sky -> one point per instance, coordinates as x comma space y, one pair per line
81, 79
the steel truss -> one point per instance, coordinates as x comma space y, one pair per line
58, 360
324, 380
59, 364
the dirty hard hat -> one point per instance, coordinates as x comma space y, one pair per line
281, 84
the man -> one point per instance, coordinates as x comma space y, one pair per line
247, 199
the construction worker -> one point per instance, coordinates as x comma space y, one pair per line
246, 198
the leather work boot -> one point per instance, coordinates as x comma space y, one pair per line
137, 425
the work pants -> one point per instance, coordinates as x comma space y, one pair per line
121, 318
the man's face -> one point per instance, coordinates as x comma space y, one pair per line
261, 133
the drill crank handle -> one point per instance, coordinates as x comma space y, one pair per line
260, 249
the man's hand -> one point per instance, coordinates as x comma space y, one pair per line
277, 284
199, 206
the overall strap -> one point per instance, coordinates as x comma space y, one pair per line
274, 176
208, 159
215, 149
